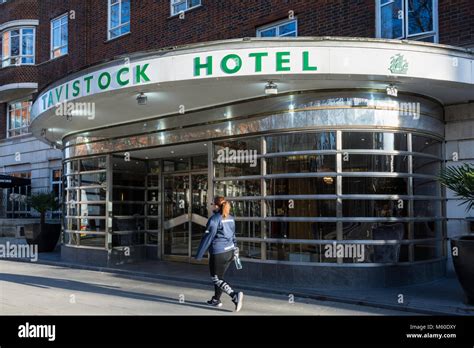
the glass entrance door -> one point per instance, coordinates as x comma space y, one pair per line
185, 214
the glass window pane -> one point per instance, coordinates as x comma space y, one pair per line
56, 37
367, 185
128, 194
114, 16
246, 208
91, 224
92, 210
369, 163
27, 45
64, 35
15, 46
224, 170
301, 230
301, 208
301, 164
125, 29
392, 20
239, 188
420, 16
93, 195
175, 165
369, 208
287, 28
301, 142
428, 251
296, 253
426, 145
374, 141
125, 11
301, 186
424, 165
92, 240
248, 229
250, 250
426, 187
93, 179
269, 33
250, 146
430, 208
96, 163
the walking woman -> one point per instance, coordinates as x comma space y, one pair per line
220, 240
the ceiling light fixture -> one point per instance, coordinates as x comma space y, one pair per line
271, 88
142, 99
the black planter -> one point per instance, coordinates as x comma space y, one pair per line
464, 264
45, 236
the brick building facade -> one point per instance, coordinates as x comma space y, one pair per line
399, 34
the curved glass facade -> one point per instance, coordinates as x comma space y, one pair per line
348, 170
311, 189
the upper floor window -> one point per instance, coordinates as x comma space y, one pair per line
408, 19
18, 115
18, 46
284, 28
59, 36
119, 18
178, 6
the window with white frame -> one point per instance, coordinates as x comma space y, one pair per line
119, 18
59, 36
408, 19
18, 46
282, 29
57, 188
18, 115
178, 6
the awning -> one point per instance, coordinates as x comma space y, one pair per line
7, 181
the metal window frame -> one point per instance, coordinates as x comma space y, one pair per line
109, 19
52, 48
405, 21
339, 197
277, 26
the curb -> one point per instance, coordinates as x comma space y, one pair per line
275, 291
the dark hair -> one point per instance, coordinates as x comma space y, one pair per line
224, 206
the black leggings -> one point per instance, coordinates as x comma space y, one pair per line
218, 265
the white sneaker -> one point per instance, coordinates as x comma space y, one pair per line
238, 301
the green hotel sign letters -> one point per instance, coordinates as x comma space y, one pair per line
203, 66
83, 85
233, 63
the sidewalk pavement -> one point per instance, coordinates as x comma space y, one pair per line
440, 297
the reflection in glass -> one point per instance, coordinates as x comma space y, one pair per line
301, 186
369, 163
301, 230
301, 142
237, 188
301, 164
374, 141
368, 186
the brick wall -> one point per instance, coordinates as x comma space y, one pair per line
456, 22
153, 28
18, 9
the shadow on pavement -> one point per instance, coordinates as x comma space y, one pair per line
73, 285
